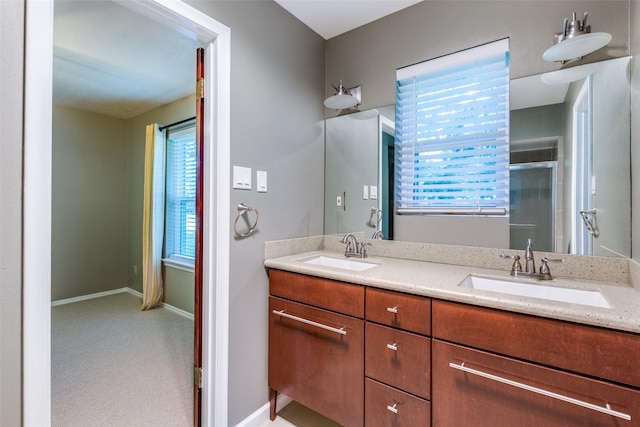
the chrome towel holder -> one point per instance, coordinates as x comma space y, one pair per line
242, 210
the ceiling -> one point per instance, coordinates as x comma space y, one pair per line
110, 60
330, 18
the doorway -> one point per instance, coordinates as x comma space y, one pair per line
37, 204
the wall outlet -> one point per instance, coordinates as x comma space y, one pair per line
135, 270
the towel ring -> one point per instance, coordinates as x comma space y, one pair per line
243, 209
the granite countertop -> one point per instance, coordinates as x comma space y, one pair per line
441, 281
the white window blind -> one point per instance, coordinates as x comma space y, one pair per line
180, 218
452, 133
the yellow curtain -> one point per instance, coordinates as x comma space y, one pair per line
153, 217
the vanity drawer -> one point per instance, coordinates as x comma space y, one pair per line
476, 388
398, 358
328, 294
598, 352
386, 406
399, 310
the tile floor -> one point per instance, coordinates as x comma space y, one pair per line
296, 415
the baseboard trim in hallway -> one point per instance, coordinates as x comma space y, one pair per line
87, 297
169, 307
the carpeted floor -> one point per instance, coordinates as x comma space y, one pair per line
114, 365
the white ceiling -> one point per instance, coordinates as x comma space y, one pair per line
330, 18
110, 60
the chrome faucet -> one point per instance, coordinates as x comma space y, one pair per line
378, 235
353, 248
530, 265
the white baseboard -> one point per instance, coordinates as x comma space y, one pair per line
86, 297
169, 307
261, 416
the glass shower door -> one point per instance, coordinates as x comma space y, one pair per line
532, 205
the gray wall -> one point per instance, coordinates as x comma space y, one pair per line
351, 149
89, 203
11, 119
369, 56
635, 129
536, 122
277, 89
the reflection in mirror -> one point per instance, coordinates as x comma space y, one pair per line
570, 153
356, 197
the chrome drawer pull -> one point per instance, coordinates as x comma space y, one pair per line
393, 310
393, 346
340, 331
393, 408
605, 410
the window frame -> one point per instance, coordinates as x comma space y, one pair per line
419, 167
171, 257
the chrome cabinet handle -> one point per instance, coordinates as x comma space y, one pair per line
393, 408
393, 310
393, 346
282, 313
604, 409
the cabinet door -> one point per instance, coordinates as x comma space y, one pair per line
398, 358
316, 357
386, 406
475, 388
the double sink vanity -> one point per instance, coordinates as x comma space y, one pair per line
420, 335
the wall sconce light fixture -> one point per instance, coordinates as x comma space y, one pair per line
344, 98
575, 41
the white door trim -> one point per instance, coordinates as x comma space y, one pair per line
37, 204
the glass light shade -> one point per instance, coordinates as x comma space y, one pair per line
569, 75
340, 102
576, 46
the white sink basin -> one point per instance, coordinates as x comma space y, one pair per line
345, 264
535, 290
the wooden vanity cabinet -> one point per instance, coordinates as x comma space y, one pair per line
492, 367
397, 359
316, 353
365, 356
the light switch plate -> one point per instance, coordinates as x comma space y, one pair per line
373, 192
241, 178
261, 179
365, 192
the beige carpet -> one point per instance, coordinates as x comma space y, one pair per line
114, 365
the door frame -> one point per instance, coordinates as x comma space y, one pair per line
36, 249
581, 168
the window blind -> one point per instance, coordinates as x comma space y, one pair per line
452, 133
180, 218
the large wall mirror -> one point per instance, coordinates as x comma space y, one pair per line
570, 186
